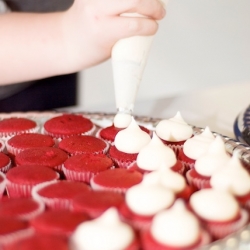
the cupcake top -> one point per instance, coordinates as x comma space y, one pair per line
153, 196
67, 125
233, 178
131, 139
176, 227
106, 232
5, 162
214, 205
197, 145
83, 144
215, 158
154, 154
174, 129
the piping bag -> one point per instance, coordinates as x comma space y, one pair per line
128, 57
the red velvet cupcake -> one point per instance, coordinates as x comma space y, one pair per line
5, 162
43, 156
117, 179
83, 167
21, 179
59, 222
14, 126
95, 202
58, 194
22, 208
83, 144
66, 125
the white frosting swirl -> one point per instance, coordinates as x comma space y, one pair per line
122, 120
131, 139
233, 178
155, 154
176, 226
214, 205
106, 232
174, 129
149, 197
215, 158
197, 145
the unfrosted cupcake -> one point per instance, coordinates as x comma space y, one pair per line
107, 232
83, 144
21, 179
194, 147
214, 159
175, 228
127, 145
219, 212
17, 125
5, 162
58, 194
117, 179
57, 222
66, 125
96, 202
174, 132
22, 208
83, 167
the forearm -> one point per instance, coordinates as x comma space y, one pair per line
31, 47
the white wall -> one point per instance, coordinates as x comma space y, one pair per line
200, 43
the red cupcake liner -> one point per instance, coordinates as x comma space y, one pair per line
196, 180
178, 167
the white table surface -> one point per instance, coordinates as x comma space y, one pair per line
216, 107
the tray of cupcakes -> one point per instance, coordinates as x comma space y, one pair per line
87, 181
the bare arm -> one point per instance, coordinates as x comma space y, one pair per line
34, 46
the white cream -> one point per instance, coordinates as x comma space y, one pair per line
122, 120
107, 232
155, 154
174, 129
131, 139
176, 226
149, 197
215, 158
233, 178
197, 145
214, 205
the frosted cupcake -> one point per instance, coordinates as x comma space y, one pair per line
214, 159
219, 212
127, 145
175, 228
194, 147
106, 232
174, 132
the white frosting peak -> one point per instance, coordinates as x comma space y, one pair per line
174, 129
216, 157
233, 178
154, 154
197, 145
106, 232
122, 120
176, 226
131, 139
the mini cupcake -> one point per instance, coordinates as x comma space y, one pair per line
14, 126
58, 194
96, 202
83, 144
174, 132
5, 162
21, 180
22, 208
194, 147
66, 125
219, 212
83, 167
117, 179
214, 159
127, 145
175, 228
57, 222
43, 156
104, 233
2, 184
